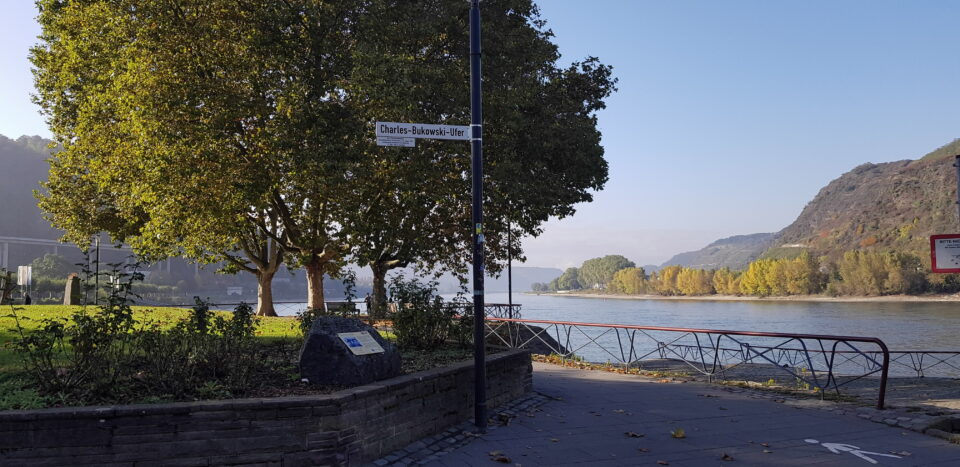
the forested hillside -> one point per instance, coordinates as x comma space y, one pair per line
732, 252
22, 166
865, 233
889, 206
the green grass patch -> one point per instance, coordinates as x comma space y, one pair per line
162, 371
31, 317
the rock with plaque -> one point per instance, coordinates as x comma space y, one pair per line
346, 352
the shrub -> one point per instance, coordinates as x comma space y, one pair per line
422, 318
106, 356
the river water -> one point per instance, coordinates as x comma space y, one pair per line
901, 325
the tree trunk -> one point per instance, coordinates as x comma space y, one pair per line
315, 284
265, 294
378, 305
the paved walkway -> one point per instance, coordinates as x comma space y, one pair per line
599, 418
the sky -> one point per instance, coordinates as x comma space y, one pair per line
730, 116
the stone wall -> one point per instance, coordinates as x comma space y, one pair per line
344, 428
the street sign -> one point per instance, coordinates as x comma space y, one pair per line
25, 276
396, 141
422, 130
945, 253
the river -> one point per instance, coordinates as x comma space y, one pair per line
901, 325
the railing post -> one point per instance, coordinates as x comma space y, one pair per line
883, 373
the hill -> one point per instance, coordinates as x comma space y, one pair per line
733, 252
893, 205
23, 164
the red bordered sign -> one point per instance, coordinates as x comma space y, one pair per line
945, 253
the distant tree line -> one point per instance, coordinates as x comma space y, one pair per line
856, 273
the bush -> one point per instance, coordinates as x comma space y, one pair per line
106, 356
423, 319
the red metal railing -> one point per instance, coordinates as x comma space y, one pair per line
710, 351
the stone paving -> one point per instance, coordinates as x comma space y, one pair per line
583, 417
427, 450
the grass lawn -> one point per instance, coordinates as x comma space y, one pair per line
15, 392
31, 317
277, 336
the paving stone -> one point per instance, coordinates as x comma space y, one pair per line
659, 408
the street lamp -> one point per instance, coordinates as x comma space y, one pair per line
476, 153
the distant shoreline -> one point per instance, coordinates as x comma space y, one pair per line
790, 298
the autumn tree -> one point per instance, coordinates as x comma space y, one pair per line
726, 282
879, 273
804, 276
666, 280
691, 281
631, 281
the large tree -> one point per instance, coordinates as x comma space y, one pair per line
198, 127
412, 64
598, 272
209, 126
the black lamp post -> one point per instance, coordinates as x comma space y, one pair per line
476, 152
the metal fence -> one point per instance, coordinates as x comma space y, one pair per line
823, 362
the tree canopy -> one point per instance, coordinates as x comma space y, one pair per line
599, 271
212, 127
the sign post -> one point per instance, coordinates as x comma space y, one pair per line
945, 253
25, 276
405, 135
476, 152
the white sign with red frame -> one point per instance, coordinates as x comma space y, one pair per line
945, 253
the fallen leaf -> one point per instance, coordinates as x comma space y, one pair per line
502, 459
679, 433
767, 451
618, 411
643, 450
726, 457
707, 395
502, 419
663, 462
663, 380
779, 401
494, 453
766, 445
631, 434
554, 440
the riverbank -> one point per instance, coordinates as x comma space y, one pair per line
737, 298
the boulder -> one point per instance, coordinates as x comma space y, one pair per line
327, 360
73, 292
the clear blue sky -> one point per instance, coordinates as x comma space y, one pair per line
730, 115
